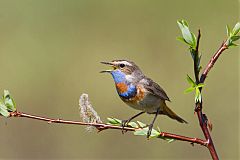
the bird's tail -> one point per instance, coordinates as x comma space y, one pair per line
167, 111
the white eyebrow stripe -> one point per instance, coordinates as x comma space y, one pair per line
124, 62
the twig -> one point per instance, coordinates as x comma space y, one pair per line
102, 126
203, 124
198, 106
198, 40
196, 71
212, 61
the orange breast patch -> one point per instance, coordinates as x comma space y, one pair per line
140, 94
121, 87
138, 97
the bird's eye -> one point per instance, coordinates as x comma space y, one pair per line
121, 65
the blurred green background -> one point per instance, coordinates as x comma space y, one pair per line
49, 55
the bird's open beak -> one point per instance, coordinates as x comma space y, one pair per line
109, 70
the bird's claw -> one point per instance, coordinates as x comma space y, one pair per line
124, 124
149, 130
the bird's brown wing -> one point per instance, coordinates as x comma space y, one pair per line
154, 88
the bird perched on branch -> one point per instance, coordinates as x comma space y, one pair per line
139, 91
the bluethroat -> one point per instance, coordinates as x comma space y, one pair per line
139, 91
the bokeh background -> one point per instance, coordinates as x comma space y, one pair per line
49, 55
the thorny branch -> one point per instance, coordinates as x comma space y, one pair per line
102, 126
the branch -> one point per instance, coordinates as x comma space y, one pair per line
102, 126
203, 123
198, 106
233, 36
196, 57
212, 61
190, 39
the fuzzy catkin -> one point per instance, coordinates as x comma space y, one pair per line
87, 113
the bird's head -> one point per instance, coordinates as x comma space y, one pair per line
123, 70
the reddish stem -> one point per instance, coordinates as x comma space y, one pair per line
102, 126
207, 135
198, 106
212, 61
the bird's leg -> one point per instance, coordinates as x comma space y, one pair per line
151, 125
125, 122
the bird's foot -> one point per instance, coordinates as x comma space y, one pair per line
124, 124
150, 127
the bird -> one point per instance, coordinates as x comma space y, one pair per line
139, 92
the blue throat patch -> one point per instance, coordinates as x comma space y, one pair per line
119, 77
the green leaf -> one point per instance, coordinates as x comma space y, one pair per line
236, 29
185, 23
133, 124
6, 93
190, 81
232, 45
234, 38
3, 110
200, 85
198, 96
194, 39
8, 101
229, 33
186, 32
154, 133
141, 125
144, 132
188, 90
114, 121
141, 132
10, 105
181, 39
159, 130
